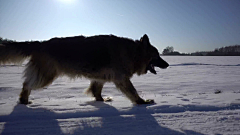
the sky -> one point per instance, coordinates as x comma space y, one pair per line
187, 25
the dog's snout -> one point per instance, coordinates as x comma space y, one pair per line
162, 63
167, 65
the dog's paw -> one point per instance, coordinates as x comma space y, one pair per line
108, 99
149, 101
24, 101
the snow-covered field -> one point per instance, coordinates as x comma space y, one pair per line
195, 95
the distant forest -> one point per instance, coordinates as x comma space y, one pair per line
233, 50
2, 41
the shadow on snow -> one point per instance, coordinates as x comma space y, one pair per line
25, 120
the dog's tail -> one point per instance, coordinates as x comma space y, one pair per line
17, 52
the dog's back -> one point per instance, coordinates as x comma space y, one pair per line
89, 56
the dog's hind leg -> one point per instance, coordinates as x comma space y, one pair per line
95, 89
127, 88
37, 75
23, 98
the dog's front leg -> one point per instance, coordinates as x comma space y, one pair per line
128, 89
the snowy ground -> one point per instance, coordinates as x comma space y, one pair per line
186, 102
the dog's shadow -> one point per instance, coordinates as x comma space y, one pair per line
43, 121
30, 121
128, 122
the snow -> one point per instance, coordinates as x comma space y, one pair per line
186, 102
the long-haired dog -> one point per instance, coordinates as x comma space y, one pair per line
102, 58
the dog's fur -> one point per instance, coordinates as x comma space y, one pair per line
103, 58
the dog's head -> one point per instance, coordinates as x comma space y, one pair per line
154, 59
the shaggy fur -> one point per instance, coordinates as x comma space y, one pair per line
103, 58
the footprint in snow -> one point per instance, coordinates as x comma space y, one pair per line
185, 99
196, 102
2, 103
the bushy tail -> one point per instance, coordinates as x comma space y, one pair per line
17, 52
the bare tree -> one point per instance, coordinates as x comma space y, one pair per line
168, 50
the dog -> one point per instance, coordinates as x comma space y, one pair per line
100, 58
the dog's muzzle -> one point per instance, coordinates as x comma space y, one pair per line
159, 62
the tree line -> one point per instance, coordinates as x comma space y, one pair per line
233, 50
2, 40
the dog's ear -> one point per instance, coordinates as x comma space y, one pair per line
145, 40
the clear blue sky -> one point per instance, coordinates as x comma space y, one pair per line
187, 25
